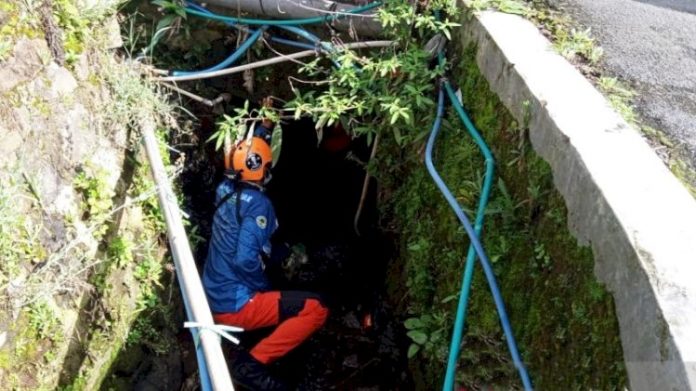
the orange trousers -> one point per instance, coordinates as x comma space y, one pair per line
298, 314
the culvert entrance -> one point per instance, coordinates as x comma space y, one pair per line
316, 190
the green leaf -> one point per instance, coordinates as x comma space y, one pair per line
413, 323
220, 140
449, 298
397, 133
512, 7
166, 21
394, 118
413, 350
417, 336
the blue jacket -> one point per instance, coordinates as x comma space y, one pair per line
234, 270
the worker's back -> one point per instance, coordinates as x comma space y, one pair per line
233, 271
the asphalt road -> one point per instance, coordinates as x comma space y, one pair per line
652, 45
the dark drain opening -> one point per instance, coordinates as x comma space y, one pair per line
316, 189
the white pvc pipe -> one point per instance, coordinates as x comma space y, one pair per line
186, 270
270, 61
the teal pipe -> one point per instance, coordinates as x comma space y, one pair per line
241, 50
480, 252
280, 22
460, 320
474, 248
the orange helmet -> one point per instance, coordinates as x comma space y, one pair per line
250, 160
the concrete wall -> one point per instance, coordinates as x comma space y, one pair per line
622, 201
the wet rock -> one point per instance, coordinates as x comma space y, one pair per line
351, 321
164, 374
57, 82
351, 361
113, 34
9, 143
25, 63
81, 67
65, 203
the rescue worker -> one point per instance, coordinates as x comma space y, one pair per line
235, 283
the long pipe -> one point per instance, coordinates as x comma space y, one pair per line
476, 243
273, 38
301, 12
455, 345
208, 102
241, 50
214, 364
366, 185
270, 61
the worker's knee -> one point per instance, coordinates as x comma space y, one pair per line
305, 304
317, 311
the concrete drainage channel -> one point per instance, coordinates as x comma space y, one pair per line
621, 201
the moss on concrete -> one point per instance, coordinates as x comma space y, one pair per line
563, 318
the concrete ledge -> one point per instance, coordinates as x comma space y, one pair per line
622, 201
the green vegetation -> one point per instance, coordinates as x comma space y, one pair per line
92, 184
73, 283
577, 43
17, 22
386, 91
517, 7
43, 320
74, 25
18, 233
620, 97
563, 318
71, 25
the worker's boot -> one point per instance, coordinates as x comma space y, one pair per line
250, 373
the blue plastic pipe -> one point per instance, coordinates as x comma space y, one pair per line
488, 271
290, 42
275, 39
318, 44
202, 366
280, 22
236, 55
455, 344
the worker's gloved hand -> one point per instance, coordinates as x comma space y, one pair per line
297, 258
